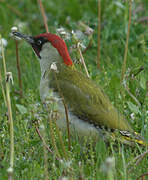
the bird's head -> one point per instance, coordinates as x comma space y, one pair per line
47, 45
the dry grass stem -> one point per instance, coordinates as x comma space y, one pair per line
131, 95
8, 80
3, 90
127, 40
3, 57
1, 83
99, 31
42, 139
68, 127
142, 176
19, 70
83, 62
138, 159
43, 15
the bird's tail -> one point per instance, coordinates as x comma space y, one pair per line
129, 138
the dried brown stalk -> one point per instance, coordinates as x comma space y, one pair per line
42, 139
127, 40
99, 31
43, 15
142, 176
18, 69
138, 159
82, 58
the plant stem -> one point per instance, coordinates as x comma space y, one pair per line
126, 45
43, 15
131, 95
138, 159
4, 65
83, 62
3, 90
8, 79
3, 57
99, 31
42, 139
19, 69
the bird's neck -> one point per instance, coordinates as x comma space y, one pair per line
49, 55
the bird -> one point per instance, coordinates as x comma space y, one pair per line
90, 112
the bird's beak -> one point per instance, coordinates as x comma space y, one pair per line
27, 38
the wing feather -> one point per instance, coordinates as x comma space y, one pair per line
86, 100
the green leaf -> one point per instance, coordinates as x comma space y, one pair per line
22, 109
143, 82
133, 107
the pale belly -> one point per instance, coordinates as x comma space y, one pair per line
78, 127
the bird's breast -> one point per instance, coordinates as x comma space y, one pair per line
77, 125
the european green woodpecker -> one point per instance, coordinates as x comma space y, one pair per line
89, 110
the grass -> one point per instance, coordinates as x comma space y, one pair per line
89, 161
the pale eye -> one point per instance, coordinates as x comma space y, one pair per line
39, 42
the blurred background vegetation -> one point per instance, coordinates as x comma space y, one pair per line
67, 13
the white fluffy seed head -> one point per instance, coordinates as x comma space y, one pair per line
10, 170
42, 127
14, 29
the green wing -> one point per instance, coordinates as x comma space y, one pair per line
85, 99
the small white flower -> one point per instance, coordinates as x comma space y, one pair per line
9, 77
81, 60
61, 161
89, 31
42, 127
132, 116
82, 46
2, 135
72, 32
68, 163
110, 162
22, 26
61, 31
64, 178
78, 34
108, 165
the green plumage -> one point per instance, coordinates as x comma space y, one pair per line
85, 99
